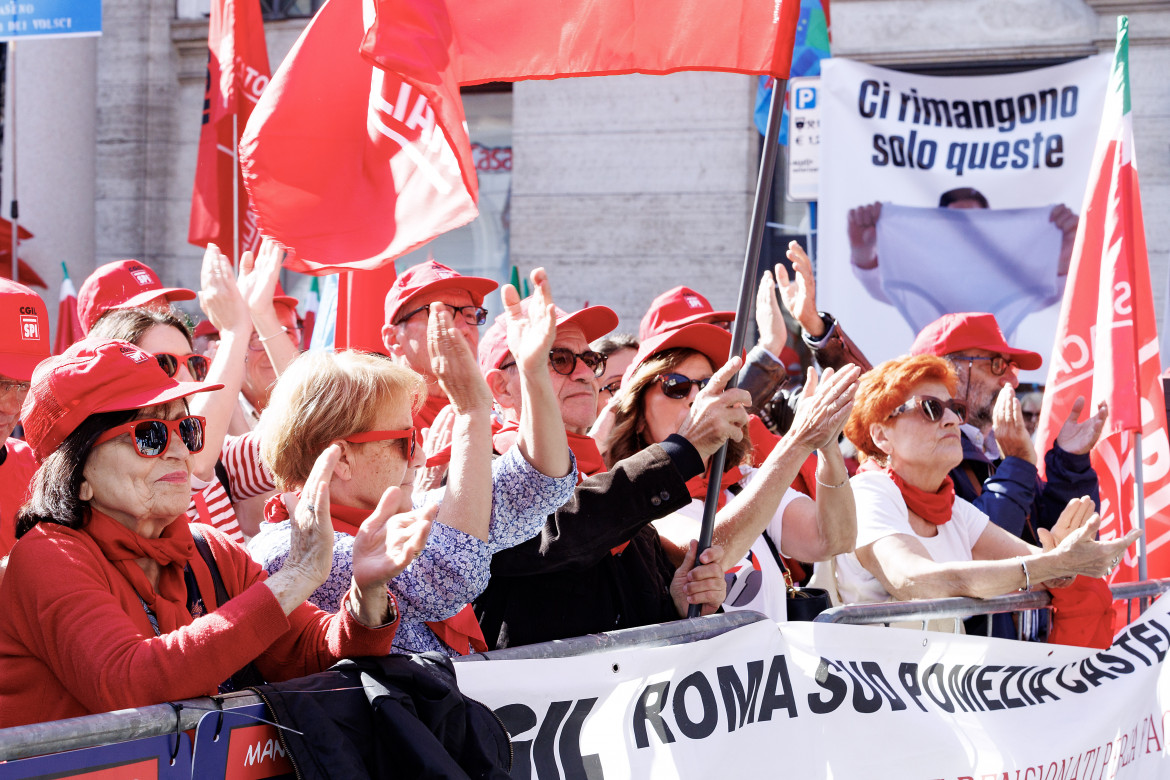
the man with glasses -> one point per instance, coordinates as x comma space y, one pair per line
24, 342
998, 473
404, 330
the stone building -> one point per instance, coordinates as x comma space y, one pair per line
620, 186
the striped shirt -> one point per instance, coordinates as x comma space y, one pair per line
248, 477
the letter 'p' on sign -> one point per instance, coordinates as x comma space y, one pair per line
805, 97
30, 329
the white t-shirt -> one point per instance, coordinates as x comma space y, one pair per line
881, 512
754, 582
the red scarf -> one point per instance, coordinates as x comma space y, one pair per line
697, 486
461, 631
171, 551
589, 460
935, 508
425, 416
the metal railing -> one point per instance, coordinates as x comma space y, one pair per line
959, 608
161, 719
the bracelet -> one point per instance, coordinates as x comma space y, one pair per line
841, 484
1027, 579
262, 339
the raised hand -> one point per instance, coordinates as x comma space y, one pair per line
531, 328
703, 584
862, 227
454, 364
824, 407
1066, 221
1080, 553
1079, 437
769, 320
800, 294
311, 547
387, 542
258, 276
718, 414
1011, 432
219, 295
1075, 515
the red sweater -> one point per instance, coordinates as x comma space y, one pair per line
74, 638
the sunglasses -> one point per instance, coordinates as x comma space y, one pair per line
999, 364
196, 364
151, 437
612, 387
472, 315
564, 361
678, 387
933, 408
412, 435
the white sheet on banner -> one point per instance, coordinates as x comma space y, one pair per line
808, 700
934, 261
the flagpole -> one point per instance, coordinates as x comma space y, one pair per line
1139, 486
747, 286
15, 211
236, 186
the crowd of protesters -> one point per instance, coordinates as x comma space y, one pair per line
190, 508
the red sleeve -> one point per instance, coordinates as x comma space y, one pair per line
316, 640
248, 474
67, 614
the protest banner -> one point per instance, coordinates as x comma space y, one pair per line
820, 700
1010, 156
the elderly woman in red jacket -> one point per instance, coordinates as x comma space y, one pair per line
107, 602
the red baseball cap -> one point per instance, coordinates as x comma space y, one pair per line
594, 322
953, 333
710, 340
430, 277
24, 330
678, 307
93, 376
124, 284
281, 297
205, 328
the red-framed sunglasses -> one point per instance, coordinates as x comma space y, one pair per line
411, 434
196, 364
152, 436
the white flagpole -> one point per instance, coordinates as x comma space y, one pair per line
236, 185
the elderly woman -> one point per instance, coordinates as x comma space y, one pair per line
108, 604
915, 539
760, 516
364, 404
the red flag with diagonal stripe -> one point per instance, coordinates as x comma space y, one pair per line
1107, 343
358, 151
237, 73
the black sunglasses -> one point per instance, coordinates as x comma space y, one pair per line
998, 363
196, 364
933, 408
472, 315
612, 387
677, 386
151, 437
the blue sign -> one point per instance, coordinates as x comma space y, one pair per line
164, 758
805, 97
49, 18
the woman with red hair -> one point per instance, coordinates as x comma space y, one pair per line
915, 539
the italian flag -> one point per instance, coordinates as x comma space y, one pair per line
312, 304
1107, 343
68, 323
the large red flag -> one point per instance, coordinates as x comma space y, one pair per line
355, 157
1107, 344
237, 73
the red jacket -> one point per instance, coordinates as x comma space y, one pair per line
75, 639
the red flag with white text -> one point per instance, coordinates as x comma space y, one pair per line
355, 157
237, 73
1106, 346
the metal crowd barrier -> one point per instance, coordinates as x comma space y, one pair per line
960, 608
161, 719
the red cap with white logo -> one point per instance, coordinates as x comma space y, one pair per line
24, 330
430, 277
125, 284
678, 307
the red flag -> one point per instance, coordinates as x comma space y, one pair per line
1107, 344
237, 73
26, 275
356, 157
361, 133
68, 324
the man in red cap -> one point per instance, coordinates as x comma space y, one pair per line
125, 284
998, 473
24, 342
404, 330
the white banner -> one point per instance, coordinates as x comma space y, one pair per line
978, 180
806, 700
